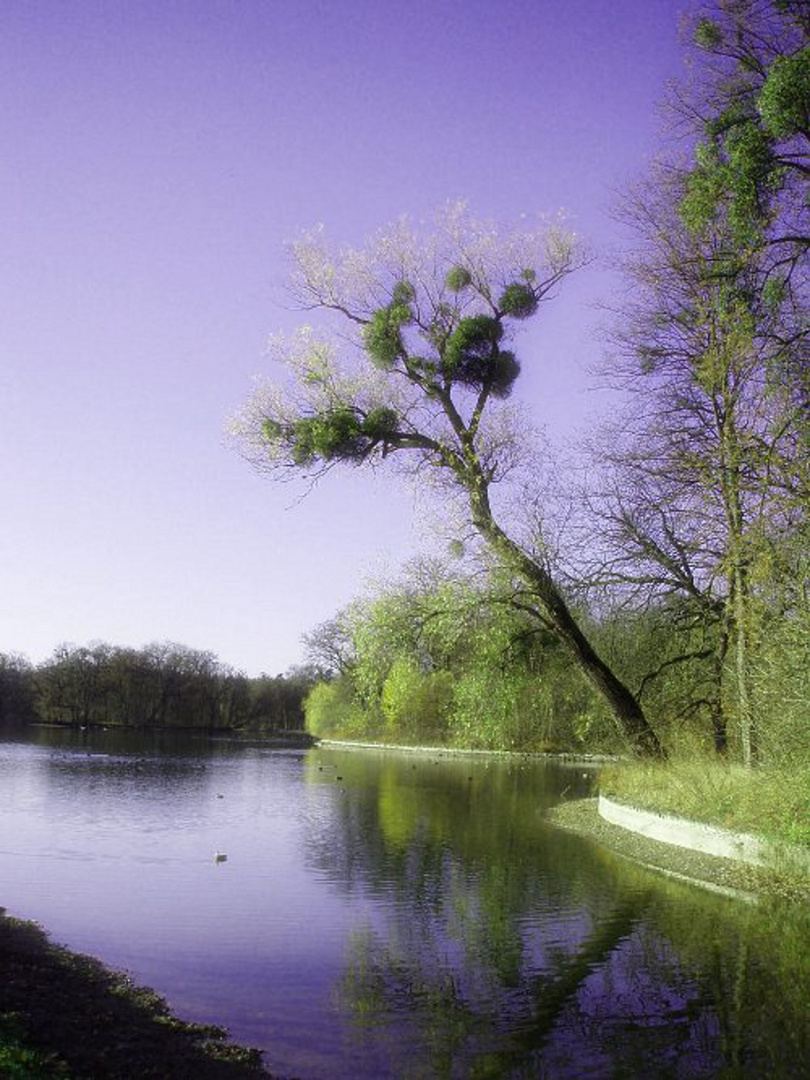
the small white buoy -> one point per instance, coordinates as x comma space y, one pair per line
219, 857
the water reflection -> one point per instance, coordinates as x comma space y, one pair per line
387, 915
511, 950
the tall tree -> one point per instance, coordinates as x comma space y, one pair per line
711, 464
427, 321
709, 458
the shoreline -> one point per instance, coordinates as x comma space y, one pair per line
717, 873
714, 872
66, 1014
563, 757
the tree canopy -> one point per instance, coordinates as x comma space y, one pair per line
421, 357
750, 109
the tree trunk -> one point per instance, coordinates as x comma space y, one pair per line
626, 709
719, 726
737, 577
748, 742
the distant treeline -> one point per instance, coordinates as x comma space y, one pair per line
161, 685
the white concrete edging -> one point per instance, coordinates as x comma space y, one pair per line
706, 838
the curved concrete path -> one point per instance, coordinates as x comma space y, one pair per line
706, 838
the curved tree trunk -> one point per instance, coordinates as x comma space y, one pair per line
626, 709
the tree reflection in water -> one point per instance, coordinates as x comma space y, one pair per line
501, 947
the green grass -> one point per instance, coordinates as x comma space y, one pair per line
772, 802
19, 1060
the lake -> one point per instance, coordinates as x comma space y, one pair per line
385, 914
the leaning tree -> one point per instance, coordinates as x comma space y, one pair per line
418, 368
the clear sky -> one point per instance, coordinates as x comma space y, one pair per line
156, 154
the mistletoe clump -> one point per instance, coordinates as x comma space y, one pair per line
382, 335
472, 356
470, 350
328, 436
518, 300
458, 278
341, 434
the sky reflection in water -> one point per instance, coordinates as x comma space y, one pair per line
389, 915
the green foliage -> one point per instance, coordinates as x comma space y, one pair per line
513, 708
518, 300
382, 335
271, 430
716, 126
458, 278
781, 686
504, 373
771, 801
708, 34
486, 710
473, 343
758, 100
379, 424
331, 711
415, 704
328, 436
669, 651
742, 174
341, 434
784, 102
471, 356
403, 293
449, 663
19, 1061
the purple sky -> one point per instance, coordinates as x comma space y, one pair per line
156, 155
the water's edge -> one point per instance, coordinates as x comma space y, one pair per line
712, 871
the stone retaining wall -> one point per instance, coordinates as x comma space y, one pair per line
706, 838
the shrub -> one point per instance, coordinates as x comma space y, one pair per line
331, 711
416, 704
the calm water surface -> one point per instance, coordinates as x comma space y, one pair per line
391, 915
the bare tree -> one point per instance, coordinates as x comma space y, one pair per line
709, 461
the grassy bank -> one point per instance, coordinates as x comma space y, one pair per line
771, 802
727, 876
67, 1016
